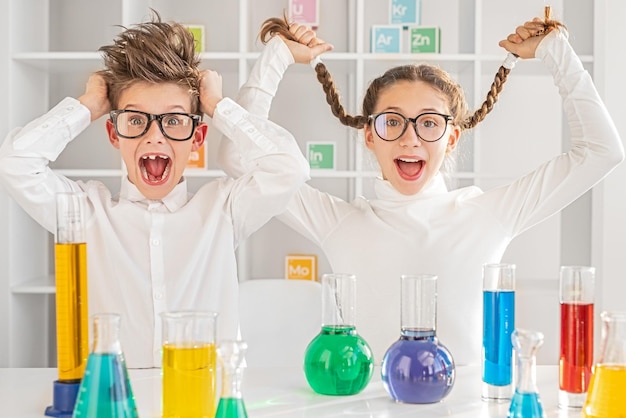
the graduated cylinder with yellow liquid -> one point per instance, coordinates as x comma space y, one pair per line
71, 301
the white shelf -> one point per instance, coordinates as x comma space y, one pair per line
42, 285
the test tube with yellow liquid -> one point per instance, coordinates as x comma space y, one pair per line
71, 301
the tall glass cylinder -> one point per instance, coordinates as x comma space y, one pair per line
71, 286
338, 361
418, 368
498, 325
71, 301
577, 289
105, 391
606, 395
526, 402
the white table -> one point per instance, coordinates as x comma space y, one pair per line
284, 392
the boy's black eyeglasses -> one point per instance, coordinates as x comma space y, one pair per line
133, 124
429, 126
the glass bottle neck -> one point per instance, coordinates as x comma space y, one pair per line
526, 381
106, 334
338, 330
231, 382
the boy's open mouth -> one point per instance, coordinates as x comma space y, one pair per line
155, 168
409, 168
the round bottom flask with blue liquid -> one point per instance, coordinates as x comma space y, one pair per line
418, 368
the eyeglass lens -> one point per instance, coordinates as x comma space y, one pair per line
173, 125
428, 126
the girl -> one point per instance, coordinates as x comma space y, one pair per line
412, 118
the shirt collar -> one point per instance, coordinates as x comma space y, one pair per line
385, 191
176, 199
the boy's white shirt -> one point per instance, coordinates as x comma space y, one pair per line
146, 257
447, 233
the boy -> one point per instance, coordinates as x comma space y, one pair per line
155, 247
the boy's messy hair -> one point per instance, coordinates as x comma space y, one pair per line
155, 52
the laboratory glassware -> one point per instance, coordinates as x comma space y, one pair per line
606, 394
71, 301
105, 390
418, 368
338, 361
576, 296
189, 364
526, 402
231, 404
498, 325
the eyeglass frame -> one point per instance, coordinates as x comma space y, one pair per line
195, 120
372, 119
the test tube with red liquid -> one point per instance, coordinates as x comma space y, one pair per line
577, 285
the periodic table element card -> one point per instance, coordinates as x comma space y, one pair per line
386, 39
306, 12
423, 39
321, 155
405, 12
198, 36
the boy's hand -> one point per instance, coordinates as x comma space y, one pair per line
95, 97
210, 91
308, 45
526, 38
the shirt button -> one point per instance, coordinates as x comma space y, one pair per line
45, 126
251, 130
155, 242
158, 295
70, 108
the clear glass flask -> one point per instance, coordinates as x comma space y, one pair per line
606, 397
105, 391
577, 285
72, 322
338, 361
418, 368
526, 402
231, 404
498, 325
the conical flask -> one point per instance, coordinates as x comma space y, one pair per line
526, 402
606, 395
232, 354
418, 368
338, 361
105, 391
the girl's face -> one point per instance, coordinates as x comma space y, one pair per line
155, 164
409, 163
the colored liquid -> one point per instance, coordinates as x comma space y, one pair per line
576, 358
231, 408
71, 310
338, 362
105, 390
189, 379
498, 324
525, 405
606, 397
418, 370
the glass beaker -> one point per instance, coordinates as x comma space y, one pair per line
605, 397
189, 364
526, 402
418, 368
338, 361
577, 285
72, 332
498, 325
232, 354
105, 391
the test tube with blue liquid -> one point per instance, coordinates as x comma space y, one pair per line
498, 325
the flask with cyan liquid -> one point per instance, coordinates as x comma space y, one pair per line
338, 361
105, 391
232, 354
606, 396
526, 402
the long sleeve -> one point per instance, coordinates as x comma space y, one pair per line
596, 148
27, 152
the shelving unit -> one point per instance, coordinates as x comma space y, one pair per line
53, 48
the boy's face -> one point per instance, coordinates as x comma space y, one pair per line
155, 164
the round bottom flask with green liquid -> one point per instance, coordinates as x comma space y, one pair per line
338, 361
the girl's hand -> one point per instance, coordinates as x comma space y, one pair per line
210, 91
96, 97
307, 45
526, 38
